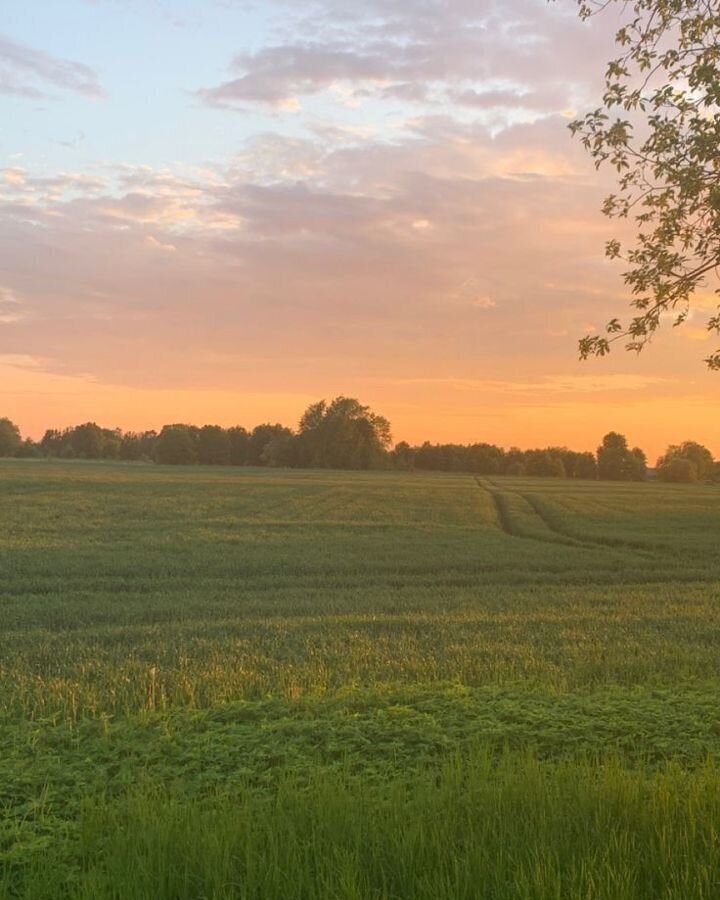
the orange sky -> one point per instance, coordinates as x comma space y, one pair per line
573, 410
297, 210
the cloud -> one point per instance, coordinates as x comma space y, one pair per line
32, 74
10, 307
14, 176
509, 98
484, 302
154, 244
276, 75
298, 255
22, 361
551, 385
483, 55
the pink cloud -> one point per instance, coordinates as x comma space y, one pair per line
28, 72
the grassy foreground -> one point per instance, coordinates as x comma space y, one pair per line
476, 828
219, 683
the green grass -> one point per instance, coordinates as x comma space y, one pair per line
478, 828
275, 684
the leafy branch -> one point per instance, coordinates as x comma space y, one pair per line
659, 128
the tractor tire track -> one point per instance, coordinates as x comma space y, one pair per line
551, 520
557, 533
510, 527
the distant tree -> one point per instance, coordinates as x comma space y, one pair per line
87, 441
544, 463
699, 459
576, 465
213, 446
176, 445
130, 447
28, 449
485, 459
453, 458
612, 456
147, 439
112, 440
567, 457
313, 418
616, 462
403, 456
425, 456
262, 436
280, 450
659, 129
239, 439
514, 462
435, 457
10, 440
343, 434
53, 442
585, 466
135, 446
537, 463
678, 469
637, 465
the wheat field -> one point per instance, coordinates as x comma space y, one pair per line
220, 683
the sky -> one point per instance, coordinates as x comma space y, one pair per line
220, 211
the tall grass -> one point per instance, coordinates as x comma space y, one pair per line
516, 829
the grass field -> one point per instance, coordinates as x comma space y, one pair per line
220, 683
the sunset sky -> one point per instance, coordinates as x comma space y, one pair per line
219, 211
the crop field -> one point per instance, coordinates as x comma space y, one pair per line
286, 685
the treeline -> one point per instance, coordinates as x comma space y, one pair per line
344, 434
613, 461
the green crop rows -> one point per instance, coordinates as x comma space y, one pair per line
220, 683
